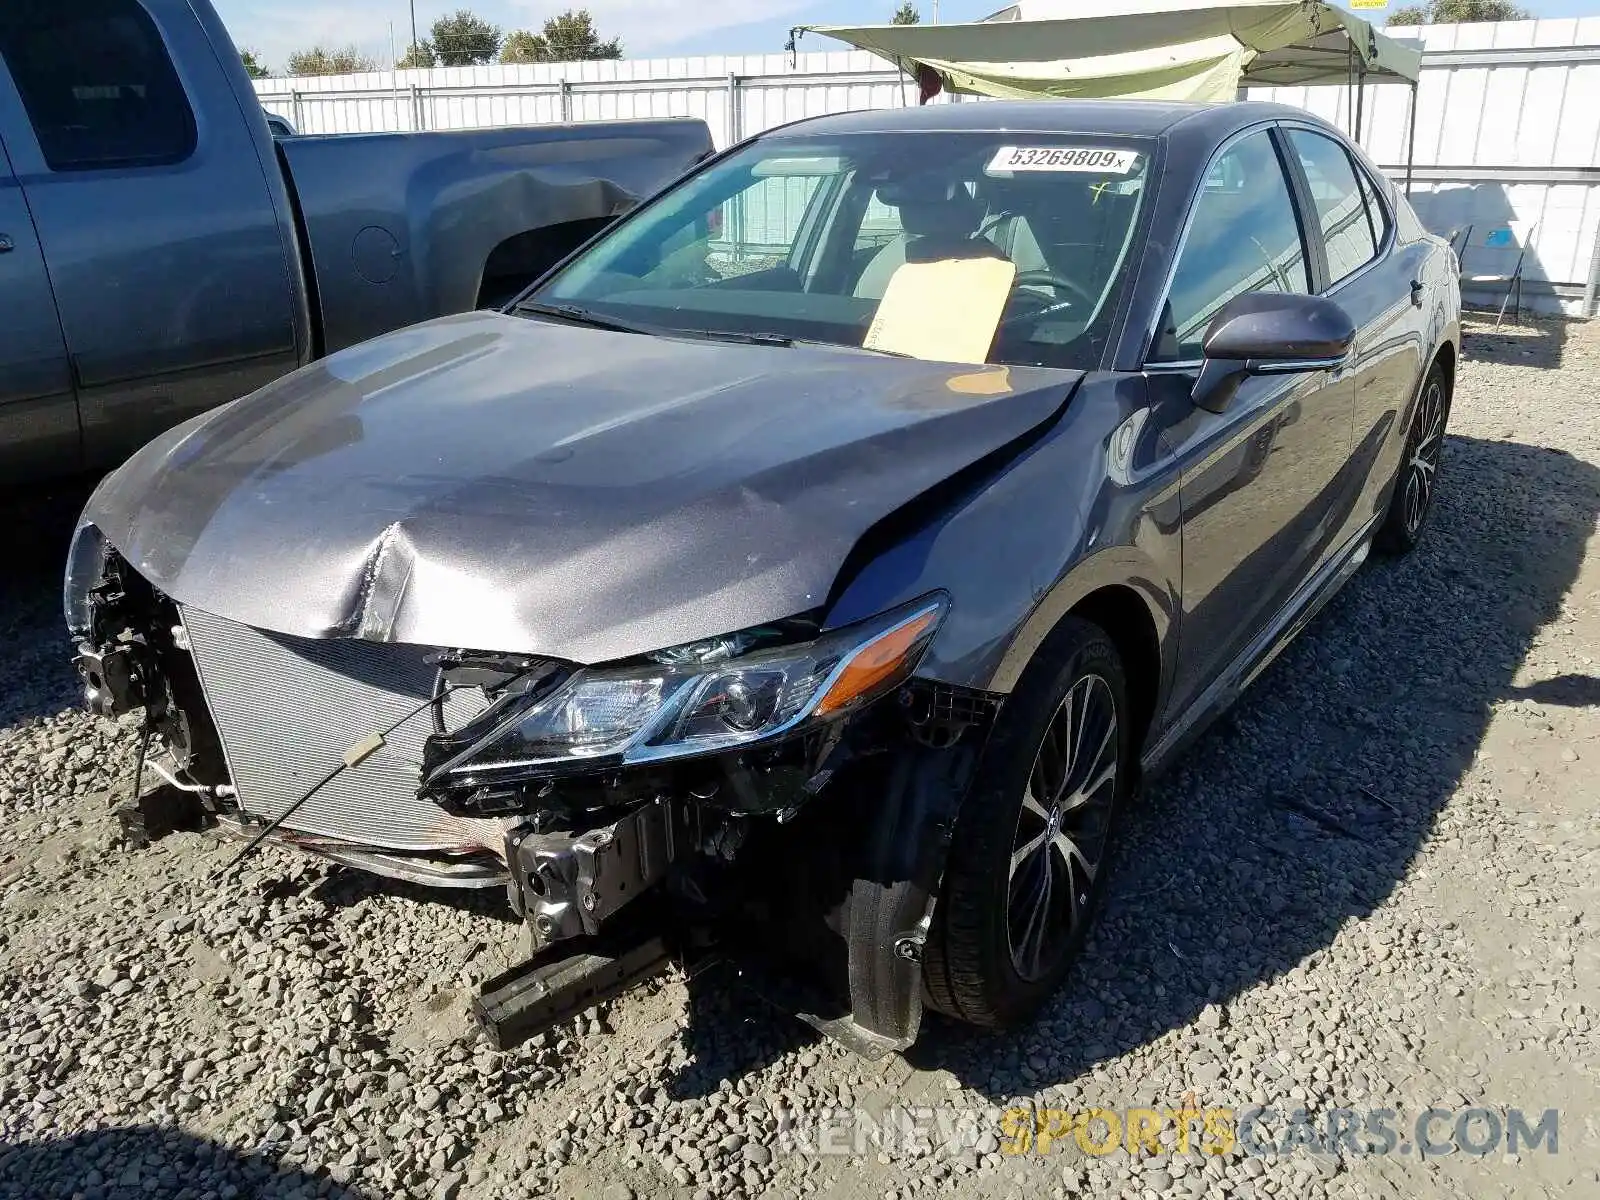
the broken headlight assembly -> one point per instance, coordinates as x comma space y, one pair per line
86, 565
712, 696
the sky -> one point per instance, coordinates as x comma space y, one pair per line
648, 28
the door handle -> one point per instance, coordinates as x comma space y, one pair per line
1416, 293
6, 244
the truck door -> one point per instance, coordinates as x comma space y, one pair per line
152, 209
38, 413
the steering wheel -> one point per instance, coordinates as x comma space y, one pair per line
1035, 312
1051, 280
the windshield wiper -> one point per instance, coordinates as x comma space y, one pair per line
783, 339
584, 316
732, 335
867, 349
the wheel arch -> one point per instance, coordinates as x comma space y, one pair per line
1122, 592
1446, 356
1120, 612
519, 259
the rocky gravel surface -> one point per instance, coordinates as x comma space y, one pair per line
1372, 886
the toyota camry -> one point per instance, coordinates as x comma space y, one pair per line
812, 567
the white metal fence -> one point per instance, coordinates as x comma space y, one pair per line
1507, 125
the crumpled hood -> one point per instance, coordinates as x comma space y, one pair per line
497, 483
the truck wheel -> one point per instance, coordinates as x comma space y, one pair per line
1028, 859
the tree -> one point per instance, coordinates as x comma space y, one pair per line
419, 55
1457, 12
523, 47
907, 14
319, 60
1450, 12
464, 39
252, 64
571, 37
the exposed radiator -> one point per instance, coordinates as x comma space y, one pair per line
287, 709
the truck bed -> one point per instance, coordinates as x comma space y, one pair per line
402, 227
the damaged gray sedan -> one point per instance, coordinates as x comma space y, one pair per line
700, 602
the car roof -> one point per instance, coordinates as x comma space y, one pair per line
1135, 118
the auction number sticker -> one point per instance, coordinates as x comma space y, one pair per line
1099, 160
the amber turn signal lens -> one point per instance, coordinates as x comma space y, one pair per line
884, 659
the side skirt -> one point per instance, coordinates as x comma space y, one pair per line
1256, 657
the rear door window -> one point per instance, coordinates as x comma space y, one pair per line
1348, 232
97, 83
1376, 213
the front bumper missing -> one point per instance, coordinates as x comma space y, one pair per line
824, 853
844, 888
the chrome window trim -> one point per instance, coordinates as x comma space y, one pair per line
1262, 367
1298, 366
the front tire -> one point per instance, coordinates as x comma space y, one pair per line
1028, 859
1416, 482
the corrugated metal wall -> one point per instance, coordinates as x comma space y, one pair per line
1507, 139
771, 89
1507, 123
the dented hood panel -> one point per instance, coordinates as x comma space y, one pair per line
497, 483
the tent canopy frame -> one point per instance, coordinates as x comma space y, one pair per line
1150, 49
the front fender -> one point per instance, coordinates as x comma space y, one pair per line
1093, 503
1129, 568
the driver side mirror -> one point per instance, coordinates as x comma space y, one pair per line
1269, 333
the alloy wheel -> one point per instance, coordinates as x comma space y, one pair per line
1426, 448
1061, 835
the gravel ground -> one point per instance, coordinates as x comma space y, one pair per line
1370, 887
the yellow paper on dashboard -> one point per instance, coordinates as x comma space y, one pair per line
944, 311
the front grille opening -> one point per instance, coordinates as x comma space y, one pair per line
288, 708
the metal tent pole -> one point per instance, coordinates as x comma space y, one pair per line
1361, 95
1411, 136
1349, 88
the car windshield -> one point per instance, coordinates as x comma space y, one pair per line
798, 239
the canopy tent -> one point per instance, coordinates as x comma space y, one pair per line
1150, 49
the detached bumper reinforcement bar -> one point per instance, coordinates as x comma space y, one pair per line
538, 995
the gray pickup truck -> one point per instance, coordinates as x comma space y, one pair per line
161, 252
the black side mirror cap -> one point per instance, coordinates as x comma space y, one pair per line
1259, 333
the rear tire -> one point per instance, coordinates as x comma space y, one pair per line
1416, 482
1028, 859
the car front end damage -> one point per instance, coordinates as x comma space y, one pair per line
782, 796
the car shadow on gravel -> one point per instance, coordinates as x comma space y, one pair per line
144, 1161
1300, 811
735, 1028
36, 677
